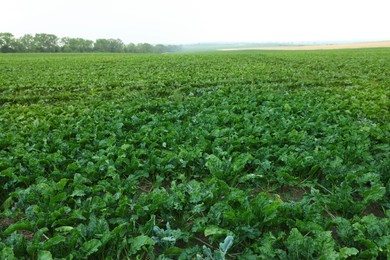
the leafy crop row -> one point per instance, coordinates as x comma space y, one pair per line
211, 156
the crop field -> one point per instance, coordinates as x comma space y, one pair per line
233, 155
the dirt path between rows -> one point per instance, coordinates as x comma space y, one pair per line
383, 44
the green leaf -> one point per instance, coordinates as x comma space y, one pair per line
138, 242
207, 252
227, 244
346, 252
214, 230
249, 177
125, 147
308, 226
9, 172
8, 203
53, 241
240, 162
44, 255
91, 247
55, 199
374, 194
38, 236
78, 193
114, 233
97, 203
296, 241
21, 225
73, 167
325, 244
7, 254
64, 229
215, 165
173, 251
61, 184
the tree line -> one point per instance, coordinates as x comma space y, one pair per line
43, 42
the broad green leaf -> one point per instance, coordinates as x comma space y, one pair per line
240, 162
374, 194
173, 251
78, 193
308, 226
287, 107
215, 165
112, 234
227, 244
7, 254
207, 252
346, 252
73, 167
97, 203
8, 203
64, 229
61, 184
38, 235
137, 243
249, 177
9, 172
53, 241
214, 230
21, 225
91, 247
44, 255
325, 244
125, 146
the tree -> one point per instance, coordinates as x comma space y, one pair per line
173, 48
7, 42
26, 43
109, 45
159, 48
46, 42
144, 48
76, 45
42, 42
130, 48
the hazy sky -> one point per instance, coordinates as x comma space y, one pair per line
193, 21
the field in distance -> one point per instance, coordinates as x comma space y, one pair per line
360, 45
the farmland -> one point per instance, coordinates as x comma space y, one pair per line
252, 155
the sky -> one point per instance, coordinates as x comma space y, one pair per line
200, 21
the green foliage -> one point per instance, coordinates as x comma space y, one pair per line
306, 247
173, 156
217, 254
43, 42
